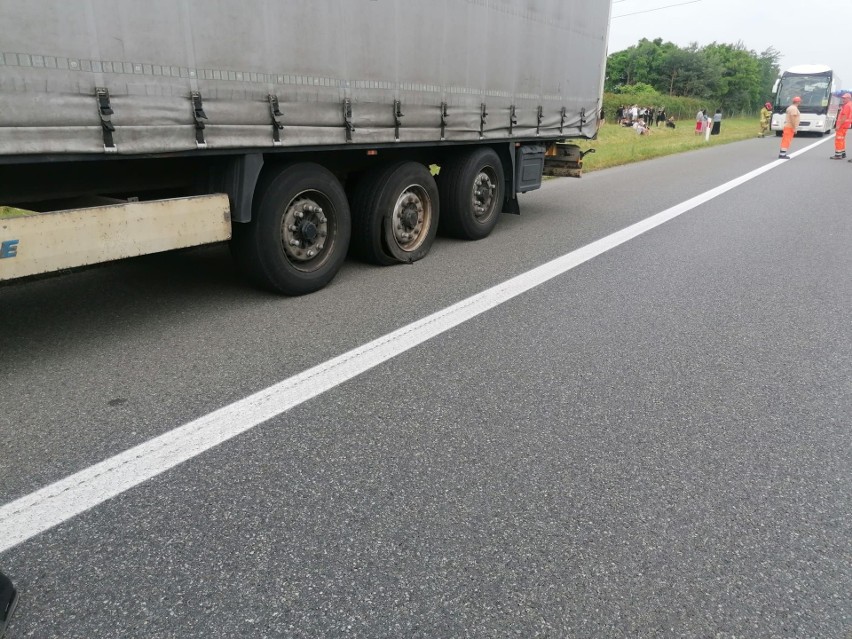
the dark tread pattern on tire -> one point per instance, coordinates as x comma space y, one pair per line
454, 189
255, 245
366, 242
370, 204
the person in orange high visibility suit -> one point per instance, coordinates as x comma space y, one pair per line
791, 123
844, 120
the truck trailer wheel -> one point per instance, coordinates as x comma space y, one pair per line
472, 188
395, 214
299, 233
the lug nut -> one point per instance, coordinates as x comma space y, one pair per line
294, 242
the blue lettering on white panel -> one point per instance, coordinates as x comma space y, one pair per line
9, 248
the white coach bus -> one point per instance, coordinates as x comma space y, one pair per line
817, 85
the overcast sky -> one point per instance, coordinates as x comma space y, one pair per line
804, 32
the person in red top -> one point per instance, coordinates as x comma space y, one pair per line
844, 120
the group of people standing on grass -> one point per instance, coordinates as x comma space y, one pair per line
640, 119
792, 117
703, 121
628, 116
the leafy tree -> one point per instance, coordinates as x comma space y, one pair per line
640, 88
739, 84
770, 69
701, 74
639, 63
729, 75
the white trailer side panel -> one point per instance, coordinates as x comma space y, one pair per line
47, 242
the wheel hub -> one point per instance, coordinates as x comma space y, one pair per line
410, 218
308, 231
483, 194
304, 229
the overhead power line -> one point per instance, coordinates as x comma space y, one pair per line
635, 13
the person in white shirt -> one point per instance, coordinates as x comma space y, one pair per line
791, 125
641, 127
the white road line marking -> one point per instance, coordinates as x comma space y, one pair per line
52, 505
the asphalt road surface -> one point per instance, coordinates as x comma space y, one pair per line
654, 443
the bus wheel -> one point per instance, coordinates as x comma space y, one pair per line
299, 232
472, 188
395, 214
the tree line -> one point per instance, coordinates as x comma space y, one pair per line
725, 75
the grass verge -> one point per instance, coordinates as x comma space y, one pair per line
618, 145
7, 212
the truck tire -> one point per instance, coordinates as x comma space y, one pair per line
299, 233
472, 188
395, 214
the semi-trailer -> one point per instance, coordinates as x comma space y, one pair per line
298, 130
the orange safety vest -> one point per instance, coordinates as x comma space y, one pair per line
844, 118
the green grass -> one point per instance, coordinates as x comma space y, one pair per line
7, 212
619, 145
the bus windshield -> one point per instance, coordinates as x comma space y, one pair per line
814, 90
